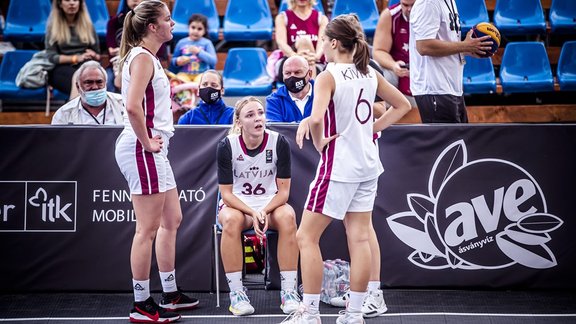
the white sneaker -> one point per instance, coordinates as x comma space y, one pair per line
340, 301
350, 318
290, 301
240, 304
301, 316
374, 304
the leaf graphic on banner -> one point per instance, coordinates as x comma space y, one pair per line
454, 262
431, 229
539, 223
532, 256
410, 230
519, 235
425, 256
453, 157
420, 205
436, 263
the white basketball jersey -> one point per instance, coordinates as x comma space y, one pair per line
254, 177
352, 157
157, 104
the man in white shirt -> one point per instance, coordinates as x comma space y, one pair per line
293, 101
94, 105
437, 60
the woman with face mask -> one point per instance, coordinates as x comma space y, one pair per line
211, 110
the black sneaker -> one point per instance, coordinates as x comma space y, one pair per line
177, 301
149, 312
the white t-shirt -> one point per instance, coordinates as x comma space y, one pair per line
157, 104
352, 157
430, 19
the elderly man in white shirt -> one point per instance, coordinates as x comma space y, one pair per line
94, 105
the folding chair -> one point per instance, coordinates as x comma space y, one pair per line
217, 230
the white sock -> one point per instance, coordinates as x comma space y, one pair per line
312, 302
141, 289
373, 285
234, 280
168, 281
288, 280
356, 300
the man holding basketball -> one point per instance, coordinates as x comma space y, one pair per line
437, 60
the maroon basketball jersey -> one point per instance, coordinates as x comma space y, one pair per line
400, 40
298, 27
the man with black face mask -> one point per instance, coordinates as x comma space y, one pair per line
211, 110
293, 101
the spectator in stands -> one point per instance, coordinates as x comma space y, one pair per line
94, 106
113, 37
211, 110
298, 31
437, 60
254, 179
70, 40
391, 46
293, 101
195, 54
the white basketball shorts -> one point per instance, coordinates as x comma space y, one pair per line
335, 198
147, 173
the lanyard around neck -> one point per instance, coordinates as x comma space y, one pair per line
94, 117
454, 25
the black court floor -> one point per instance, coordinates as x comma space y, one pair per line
404, 306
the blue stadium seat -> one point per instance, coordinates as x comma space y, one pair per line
318, 6
248, 20
479, 75
26, 20
12, 62
366, 11
566, 72
121, 6
525, 68
519, 17
245, 72
99, 14
471, 12
393, 2
563, 16
182, 11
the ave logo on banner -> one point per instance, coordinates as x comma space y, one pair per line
34, 206
483, 214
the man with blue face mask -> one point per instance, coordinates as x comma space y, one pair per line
94, 105
293, 101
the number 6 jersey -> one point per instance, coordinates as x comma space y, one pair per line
253, 173
352, 157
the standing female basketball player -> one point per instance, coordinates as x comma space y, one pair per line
254, 180
344, 187
141, 154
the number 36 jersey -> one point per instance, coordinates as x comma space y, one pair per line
253, 173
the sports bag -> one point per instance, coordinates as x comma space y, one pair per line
34, 74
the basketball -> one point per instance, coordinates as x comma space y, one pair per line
487, 29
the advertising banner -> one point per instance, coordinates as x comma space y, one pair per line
458, 206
